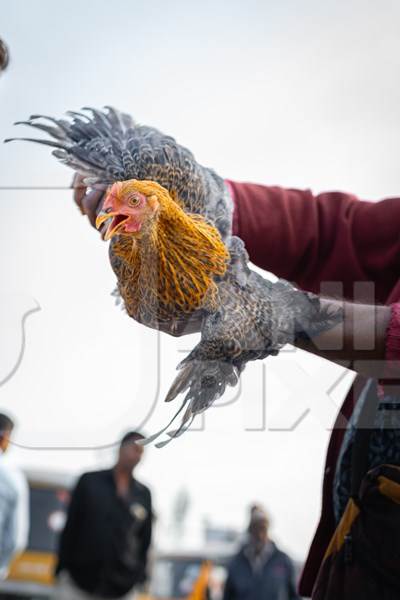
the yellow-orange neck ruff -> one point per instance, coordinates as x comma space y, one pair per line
170, 267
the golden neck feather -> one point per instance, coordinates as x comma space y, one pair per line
172, 263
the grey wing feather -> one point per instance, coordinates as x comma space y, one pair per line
110, 146
256, 319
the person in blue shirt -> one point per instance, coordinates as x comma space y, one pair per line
8, 501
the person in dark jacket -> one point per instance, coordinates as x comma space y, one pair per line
260, 571
104, 546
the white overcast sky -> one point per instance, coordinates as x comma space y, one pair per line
296, 93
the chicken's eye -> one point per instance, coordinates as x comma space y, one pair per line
134, 200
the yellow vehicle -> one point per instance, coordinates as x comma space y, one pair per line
31, 573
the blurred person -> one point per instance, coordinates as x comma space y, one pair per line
253, 509
260, 571
104, 546
14, 503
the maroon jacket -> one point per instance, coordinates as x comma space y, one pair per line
309, 240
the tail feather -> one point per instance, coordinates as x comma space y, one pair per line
180, 384
205, 380
187, 421
152, 438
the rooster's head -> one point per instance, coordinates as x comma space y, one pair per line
129, 206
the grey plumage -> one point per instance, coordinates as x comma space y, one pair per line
255, 318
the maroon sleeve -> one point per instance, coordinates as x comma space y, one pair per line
310, 239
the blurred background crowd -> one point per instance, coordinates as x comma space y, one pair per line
92, 538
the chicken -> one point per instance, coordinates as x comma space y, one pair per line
169, 222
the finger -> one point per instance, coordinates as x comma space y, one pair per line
79, 190
92, 203
182, 327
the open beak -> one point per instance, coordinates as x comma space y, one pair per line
116, 224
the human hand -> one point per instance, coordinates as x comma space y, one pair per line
188, 326
89, 202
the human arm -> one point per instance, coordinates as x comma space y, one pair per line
306, 238
367, 340
312, 239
